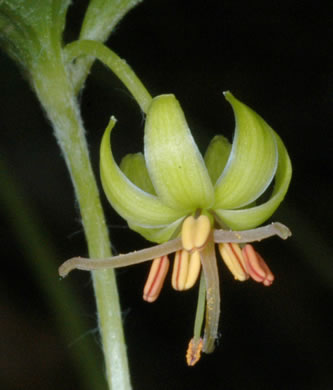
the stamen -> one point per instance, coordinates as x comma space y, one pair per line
156, 277
202, 231
193, 270
187, 233
269, 274
195, 232
234, 260
193, 353
186, 270
180, 270
256, 266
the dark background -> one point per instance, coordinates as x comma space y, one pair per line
275, 57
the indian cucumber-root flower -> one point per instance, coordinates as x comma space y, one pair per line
186, 203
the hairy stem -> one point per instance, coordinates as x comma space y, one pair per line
51, 83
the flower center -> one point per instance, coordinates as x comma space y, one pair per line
187, 264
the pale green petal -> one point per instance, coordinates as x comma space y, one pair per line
134, 167
216, 156
174, 162
132, 203
158, 235
252, 162
254, 216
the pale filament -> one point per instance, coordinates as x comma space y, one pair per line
136, 257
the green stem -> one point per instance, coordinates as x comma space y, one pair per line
56, 93
118, 66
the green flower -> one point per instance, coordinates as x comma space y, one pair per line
173, 196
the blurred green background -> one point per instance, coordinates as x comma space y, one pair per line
275, 57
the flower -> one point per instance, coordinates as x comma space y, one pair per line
173, 196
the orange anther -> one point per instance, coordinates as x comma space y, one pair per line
256, 266
156, 277
193, 352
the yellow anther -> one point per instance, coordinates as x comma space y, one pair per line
187, 233
156, 277
202, 231
234, 260
180, 270
193, 270
186, 269
195, 232
193, 352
